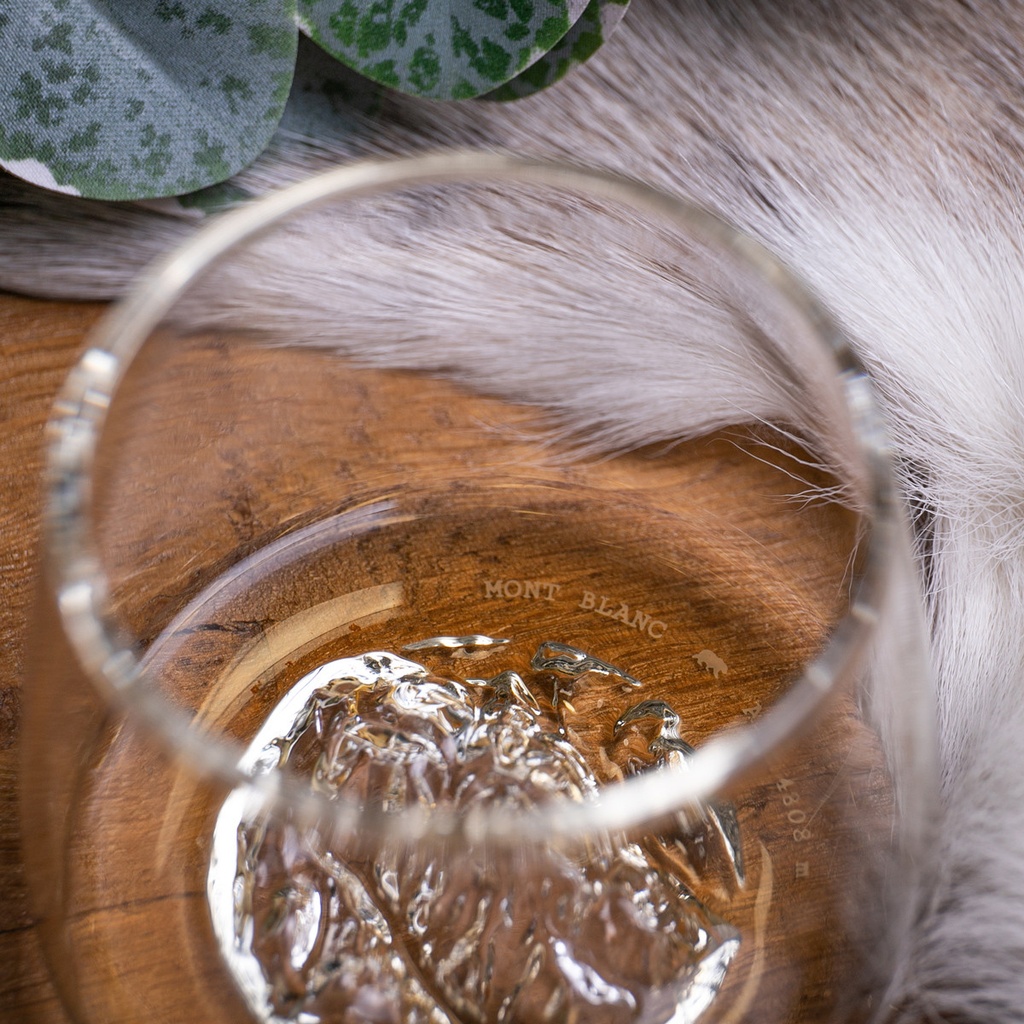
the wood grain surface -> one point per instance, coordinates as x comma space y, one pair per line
39, 341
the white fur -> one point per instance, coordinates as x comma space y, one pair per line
878, 147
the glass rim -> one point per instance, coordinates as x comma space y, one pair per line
80, 586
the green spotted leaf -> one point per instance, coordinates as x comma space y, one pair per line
580, 43
144, 98
442, 49
330, 112
329, 101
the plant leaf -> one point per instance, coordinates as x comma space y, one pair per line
330, 110
579, 44
443, 49
329, 101
140, 98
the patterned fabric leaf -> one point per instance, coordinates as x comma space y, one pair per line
443, 49
330, 109
579, 44
140, 98
329, 100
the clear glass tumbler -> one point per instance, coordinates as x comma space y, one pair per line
475, 592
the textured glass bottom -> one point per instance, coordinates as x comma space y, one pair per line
606, 933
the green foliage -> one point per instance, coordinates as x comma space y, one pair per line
582, 40
141, 99
138, 99
444, 49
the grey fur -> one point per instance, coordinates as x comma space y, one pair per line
878, 146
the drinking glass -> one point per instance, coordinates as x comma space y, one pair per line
475, 591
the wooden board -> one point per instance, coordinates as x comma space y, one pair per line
39, 343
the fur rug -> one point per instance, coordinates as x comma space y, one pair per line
878, 147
